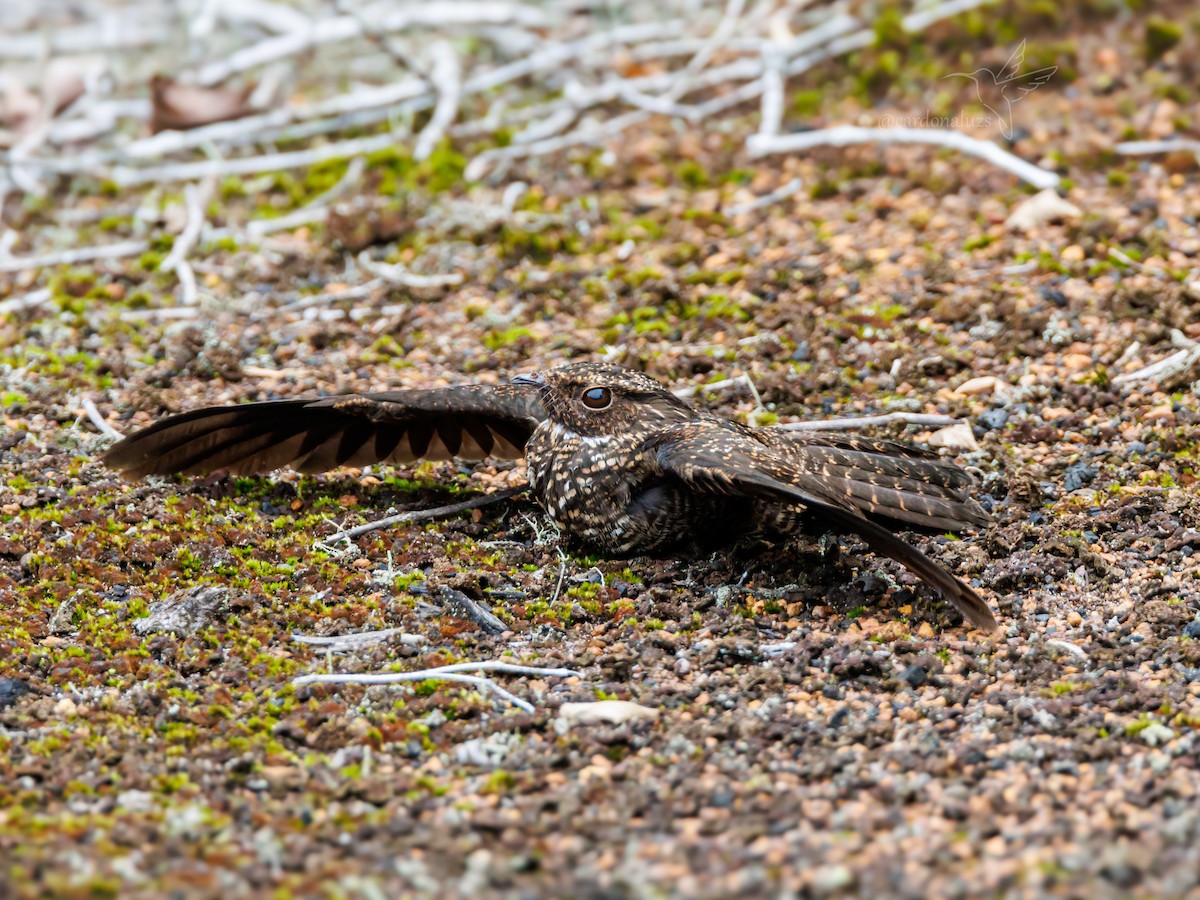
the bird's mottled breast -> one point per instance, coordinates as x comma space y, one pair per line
584, 482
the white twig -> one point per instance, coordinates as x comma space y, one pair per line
347, 642
1127, 260
315, 211
724, 384
386, 17
97, 419
421, 515
187, 283
72, 257
505, 668
781, 193
266, 15
854, 422
427, 675
396, 273
589, 133
1068, 647
352, 293
128, 176
1018, 268
27, 301
1149, 148
562, 574
263, 125
922, 19
447, 80
165, 312
448, 673
107, 35
1182, 360
196, 197
716, 40
307, 215
845, 135
772, 95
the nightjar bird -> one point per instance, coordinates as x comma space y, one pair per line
617, 461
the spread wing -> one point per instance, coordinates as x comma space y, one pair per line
733, 461
314, 435
887, 479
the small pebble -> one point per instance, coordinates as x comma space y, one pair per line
11, 690
1156, 733
1078, 475
993, 419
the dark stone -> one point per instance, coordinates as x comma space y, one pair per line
1078, 475
1192, 629
11, 690
993, 419
1122, 875
914, 675
1054, 295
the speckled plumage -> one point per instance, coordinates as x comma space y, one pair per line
641, 473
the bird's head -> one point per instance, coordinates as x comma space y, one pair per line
594, 399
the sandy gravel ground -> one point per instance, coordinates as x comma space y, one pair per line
819, 724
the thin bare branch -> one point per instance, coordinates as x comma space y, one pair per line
128, 176
397, 273
447, 79
26, 301
1181, 361
454, 673
98, 420
323, 299
847, 135
790, 189
388, 19
424, 515
340, 643
855, 422
1151, 148
196, 197
74, 256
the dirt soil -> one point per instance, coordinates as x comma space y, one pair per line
824, 725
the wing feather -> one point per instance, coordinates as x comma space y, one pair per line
732, 461
886, 479
315, 435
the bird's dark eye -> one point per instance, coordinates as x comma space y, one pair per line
597, 398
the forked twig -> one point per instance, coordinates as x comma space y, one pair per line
448, 673
1180, 361
98, 420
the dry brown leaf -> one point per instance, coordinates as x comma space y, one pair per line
178, 106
